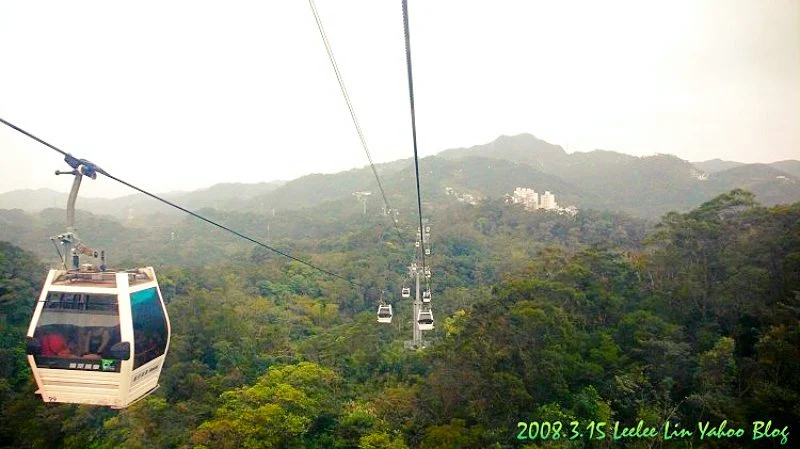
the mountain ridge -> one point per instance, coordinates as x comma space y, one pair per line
601, 179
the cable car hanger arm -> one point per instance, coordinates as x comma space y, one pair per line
80, 168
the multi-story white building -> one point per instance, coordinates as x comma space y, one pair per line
548, 201
527, 197
531, 200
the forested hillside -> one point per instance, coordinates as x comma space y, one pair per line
597, 318
647, 186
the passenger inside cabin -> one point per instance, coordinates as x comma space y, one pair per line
55, 345
93, 342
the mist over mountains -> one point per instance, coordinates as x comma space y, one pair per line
718, 165
642, 186
219, 196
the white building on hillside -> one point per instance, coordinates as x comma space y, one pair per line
549, 201
527, 197
531, 200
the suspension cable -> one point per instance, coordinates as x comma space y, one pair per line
14, 127
352, 111
413, 127
194, 214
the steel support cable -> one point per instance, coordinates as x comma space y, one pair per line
14, 127
352, 110
194, 214
413, 128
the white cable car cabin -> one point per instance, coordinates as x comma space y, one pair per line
426, 296
427, 251
425, 320
385, 313
98, 337
405, 292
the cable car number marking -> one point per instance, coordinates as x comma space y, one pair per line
147, 372
85, 366
51, 398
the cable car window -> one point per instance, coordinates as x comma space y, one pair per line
77, 331
149, 326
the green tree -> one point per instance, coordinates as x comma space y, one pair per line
278, 411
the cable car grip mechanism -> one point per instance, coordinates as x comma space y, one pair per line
80, 168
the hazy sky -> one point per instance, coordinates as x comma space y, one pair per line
182, 95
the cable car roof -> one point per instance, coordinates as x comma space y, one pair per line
102, 279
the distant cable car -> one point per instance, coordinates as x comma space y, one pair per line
426, 296
385, 313
427, 273
416, 244
427, 251
425, 320
96, 337
406, 292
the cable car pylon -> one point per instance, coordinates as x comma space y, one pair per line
422, 314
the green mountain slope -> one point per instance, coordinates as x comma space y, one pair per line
131, 207
645, 186
522, 148
789, 166
770, 185
716, 165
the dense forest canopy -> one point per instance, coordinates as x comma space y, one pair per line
541, 317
